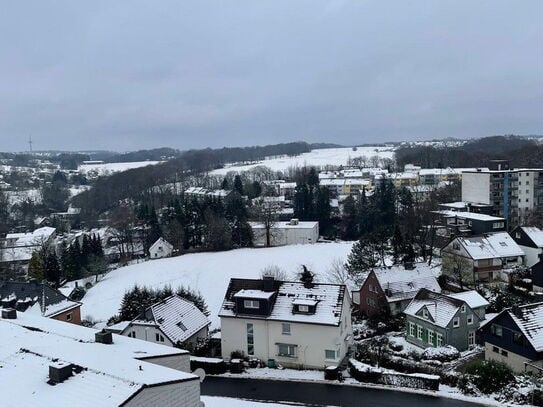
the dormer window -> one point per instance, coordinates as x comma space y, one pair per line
251, 304
303, 308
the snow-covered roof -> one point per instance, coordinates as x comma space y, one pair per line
286, 225
216, 193
178, 318
440, 307
329, 300
469, 215
472, 298
161, 241
529, 319
32, 239
493, 245
257, 294
535, 234
400, 284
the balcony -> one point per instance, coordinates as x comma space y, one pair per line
478, 269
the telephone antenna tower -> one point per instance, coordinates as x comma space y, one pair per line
30, 143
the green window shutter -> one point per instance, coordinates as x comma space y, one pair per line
425, 335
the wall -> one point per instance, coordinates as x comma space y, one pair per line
286, 236
476, 187
184, 394
75, 316
531, 255
147, 333
513, 360
177, 362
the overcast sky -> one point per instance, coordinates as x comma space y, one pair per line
126, 75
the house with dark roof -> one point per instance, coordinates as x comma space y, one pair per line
172, 321
434, 319
389, 290
297, 324
39, 298
530, 240
515, 337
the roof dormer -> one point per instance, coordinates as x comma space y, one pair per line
253, 302
304, 306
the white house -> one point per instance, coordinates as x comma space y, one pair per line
48, 362
161, 248
482, 258
286, 233
530, 240
297, 324
171, 321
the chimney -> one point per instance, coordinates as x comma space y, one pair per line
294, 221
9, 313
268, 283
515, 309
59, 371
103, 337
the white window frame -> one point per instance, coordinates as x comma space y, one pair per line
420, 331
303, 308
425, 313
292, 350
430, 337
439, 339
69, 316
456, 322
469, 319
326, 351
471, 338
463, 308
250, 304
285, 329
412, 329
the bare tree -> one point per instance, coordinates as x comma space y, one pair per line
267, 213
458, 268
337, 273
274, 271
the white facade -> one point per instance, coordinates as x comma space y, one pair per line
160, 249
286, 233
152, 333
476, 187
313, 345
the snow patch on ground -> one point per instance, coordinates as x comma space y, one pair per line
110, 168
209, 273
321, 157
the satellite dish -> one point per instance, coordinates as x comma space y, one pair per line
201, 373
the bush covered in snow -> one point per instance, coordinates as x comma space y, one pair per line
442, 354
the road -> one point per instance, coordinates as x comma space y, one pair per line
320, 394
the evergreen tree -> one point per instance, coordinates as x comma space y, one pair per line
51, 268
362, 258
349, 219
35, 268
238, 184
324, 210
224, 184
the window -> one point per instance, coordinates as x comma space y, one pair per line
496, 330
250, 340
518, 338
456, 246
495, 349
463, 308
285, 329
505, 353
470, 319
425, 313
456, 322
439, 339
303, 308
286, 350
253, 304
132, 334
517, 235
371, 287
330, 354
159, 338
370, 302
471, 338
430, 337
419, 332
411, 329
69, 317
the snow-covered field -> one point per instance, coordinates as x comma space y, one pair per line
110, 168
321, 157
209, 273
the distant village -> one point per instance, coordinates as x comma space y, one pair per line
445, 275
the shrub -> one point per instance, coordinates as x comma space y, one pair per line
489, 376
77, 294
237, 354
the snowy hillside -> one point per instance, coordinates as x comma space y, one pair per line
207, 272
110, 168
321, 157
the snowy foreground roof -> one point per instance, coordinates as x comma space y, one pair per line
490, 246
400, 284
178, 318
440, 307
104, 375
329, 299
529, 319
